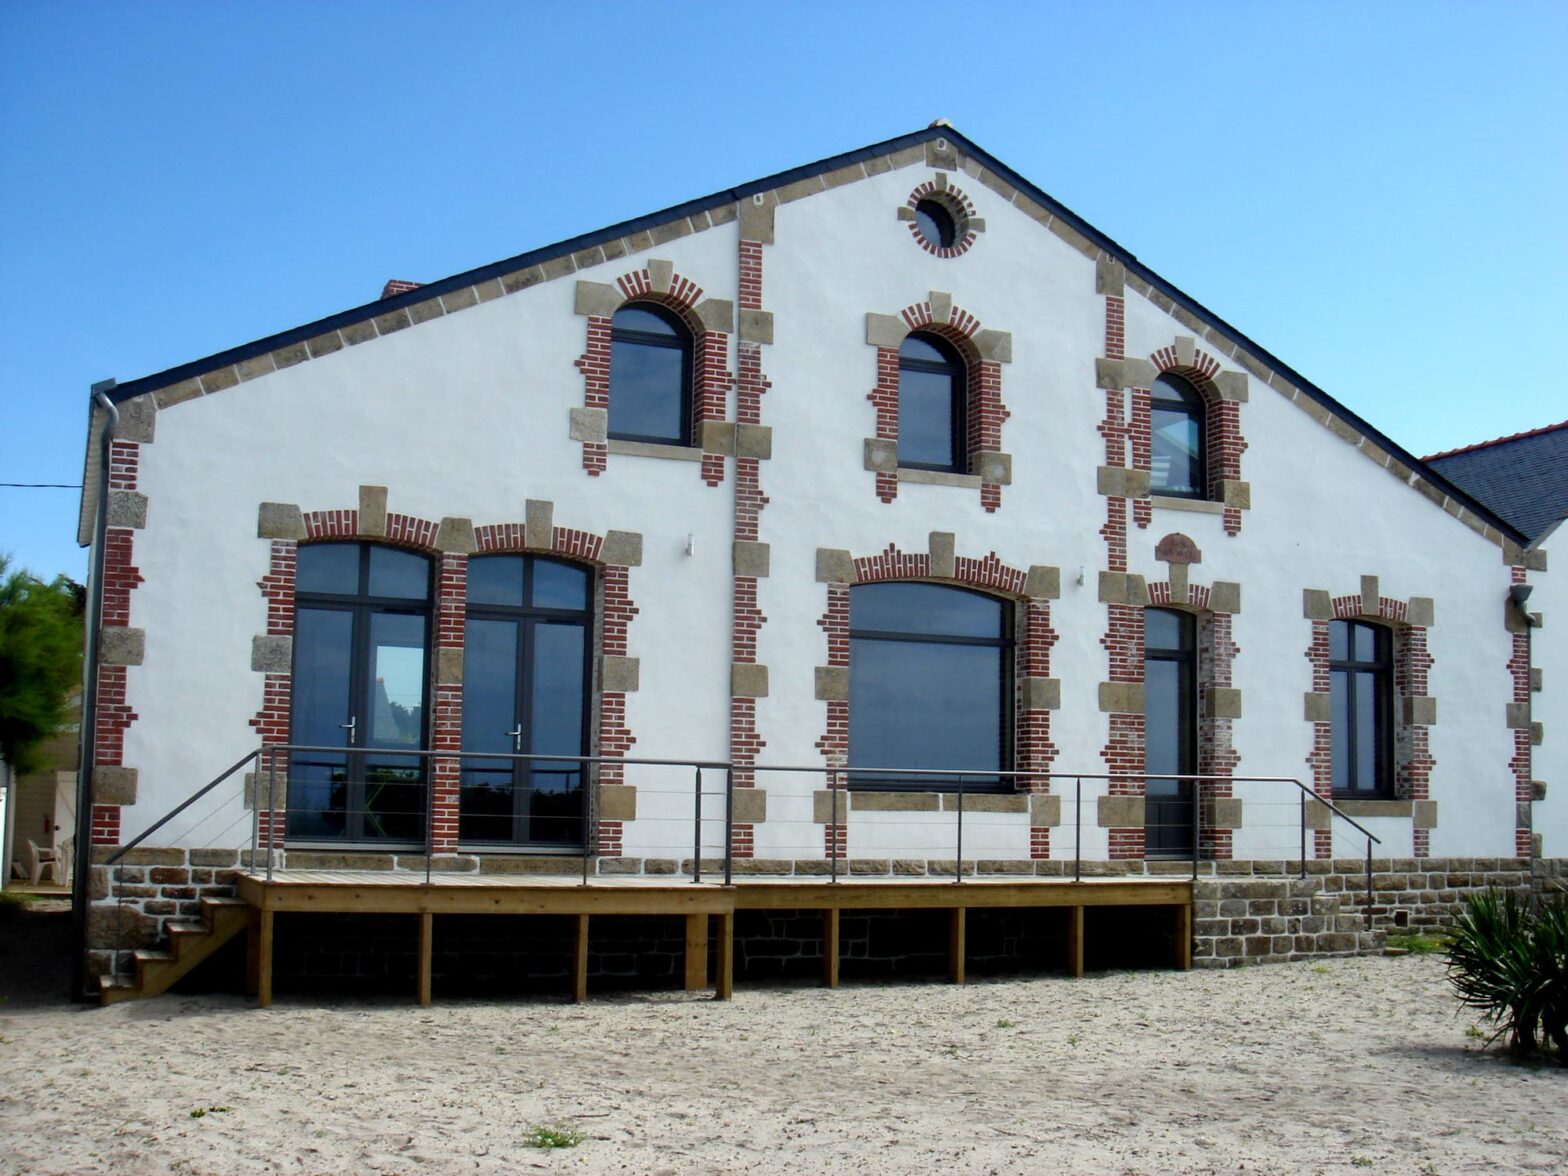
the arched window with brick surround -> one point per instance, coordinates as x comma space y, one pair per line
1178, 465
360, 695
933, 406
650, 376
1361, 706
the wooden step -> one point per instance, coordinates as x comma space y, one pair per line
190, 942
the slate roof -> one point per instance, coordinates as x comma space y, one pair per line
1523, 478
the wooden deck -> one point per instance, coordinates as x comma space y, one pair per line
707, 906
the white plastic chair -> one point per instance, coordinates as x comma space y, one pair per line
44, 859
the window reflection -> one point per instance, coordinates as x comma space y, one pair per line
1176, 462
650, 377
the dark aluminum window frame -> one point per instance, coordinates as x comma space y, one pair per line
1175, 841
363, 606
1006, 643
957, 372
528, 617
1188, 400
681, 341
1351, 670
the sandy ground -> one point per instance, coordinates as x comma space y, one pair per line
1338, 1066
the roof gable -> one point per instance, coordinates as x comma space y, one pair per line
1523, 478
937, 146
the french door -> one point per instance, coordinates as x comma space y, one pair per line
525, 690
359, 694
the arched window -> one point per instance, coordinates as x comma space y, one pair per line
361, 626
1170, 687
930, 685
1361, 693
650, 376
1179, 464
526, 651
932, 406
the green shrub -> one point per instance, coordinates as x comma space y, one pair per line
1511, 963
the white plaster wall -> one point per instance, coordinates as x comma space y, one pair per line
467, 415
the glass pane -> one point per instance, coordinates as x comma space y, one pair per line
1339, 703
918, 347
490, 662
918, 705
1366, 731
556, 727
901, 607
323, 656
317, 794
640, 318
1165, 629
328, 567
394, 804
1339, 641
560, 585
1174, 455
925, 418
1166, 738
399, 574
495, 579
647, 391
396, 716
934, 223
1366, 643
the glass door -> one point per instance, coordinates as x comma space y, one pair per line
360, 636
525, 690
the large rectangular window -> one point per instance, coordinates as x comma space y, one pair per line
1170, 686
930, 686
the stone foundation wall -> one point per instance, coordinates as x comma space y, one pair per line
130, 901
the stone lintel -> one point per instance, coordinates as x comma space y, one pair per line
538, 524
941, 545
717, 314
373, 511
1224, 702
1371, 596
597, 298
886, 330
1108, 374
750, 806
455, 536
1317, 604
1139, 373
1424, 814
1110, 277
1186, 350
1231, 386
835, 566
994, 468
756, 326
1237, 494
1518, 716
941, 306
621, 549
1316, 708
114, 785
618, 802
1420, 710
280, 520
718, 437
1117, 482
661, 275
895, 802
1043, 582
996, 346
1420, 612
756, 218
1045, 811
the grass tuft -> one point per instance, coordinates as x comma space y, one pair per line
550, 1137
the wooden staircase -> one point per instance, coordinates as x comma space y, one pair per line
190, 942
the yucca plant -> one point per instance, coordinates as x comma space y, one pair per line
1511, 964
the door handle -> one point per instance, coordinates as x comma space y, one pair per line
351, 726
516, 736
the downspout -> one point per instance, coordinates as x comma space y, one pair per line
82, 865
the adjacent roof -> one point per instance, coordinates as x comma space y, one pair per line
938, 144
1523, 478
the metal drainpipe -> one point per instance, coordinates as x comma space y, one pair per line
82, 868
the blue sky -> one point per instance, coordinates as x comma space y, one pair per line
1373, 191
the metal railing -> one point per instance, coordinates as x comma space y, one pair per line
712, 812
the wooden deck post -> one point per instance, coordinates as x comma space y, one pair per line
427, 928
724, 985
1075, 941
1184, 937
252, 950
830, 947
263, 963
696, 952
579, 958
957, 948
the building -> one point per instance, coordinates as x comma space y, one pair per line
889, 461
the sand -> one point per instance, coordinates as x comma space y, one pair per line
1336, 1066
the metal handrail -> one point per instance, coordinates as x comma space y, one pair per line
178, 809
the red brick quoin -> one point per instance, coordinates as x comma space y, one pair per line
614, 614
1032, 746
121, 577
